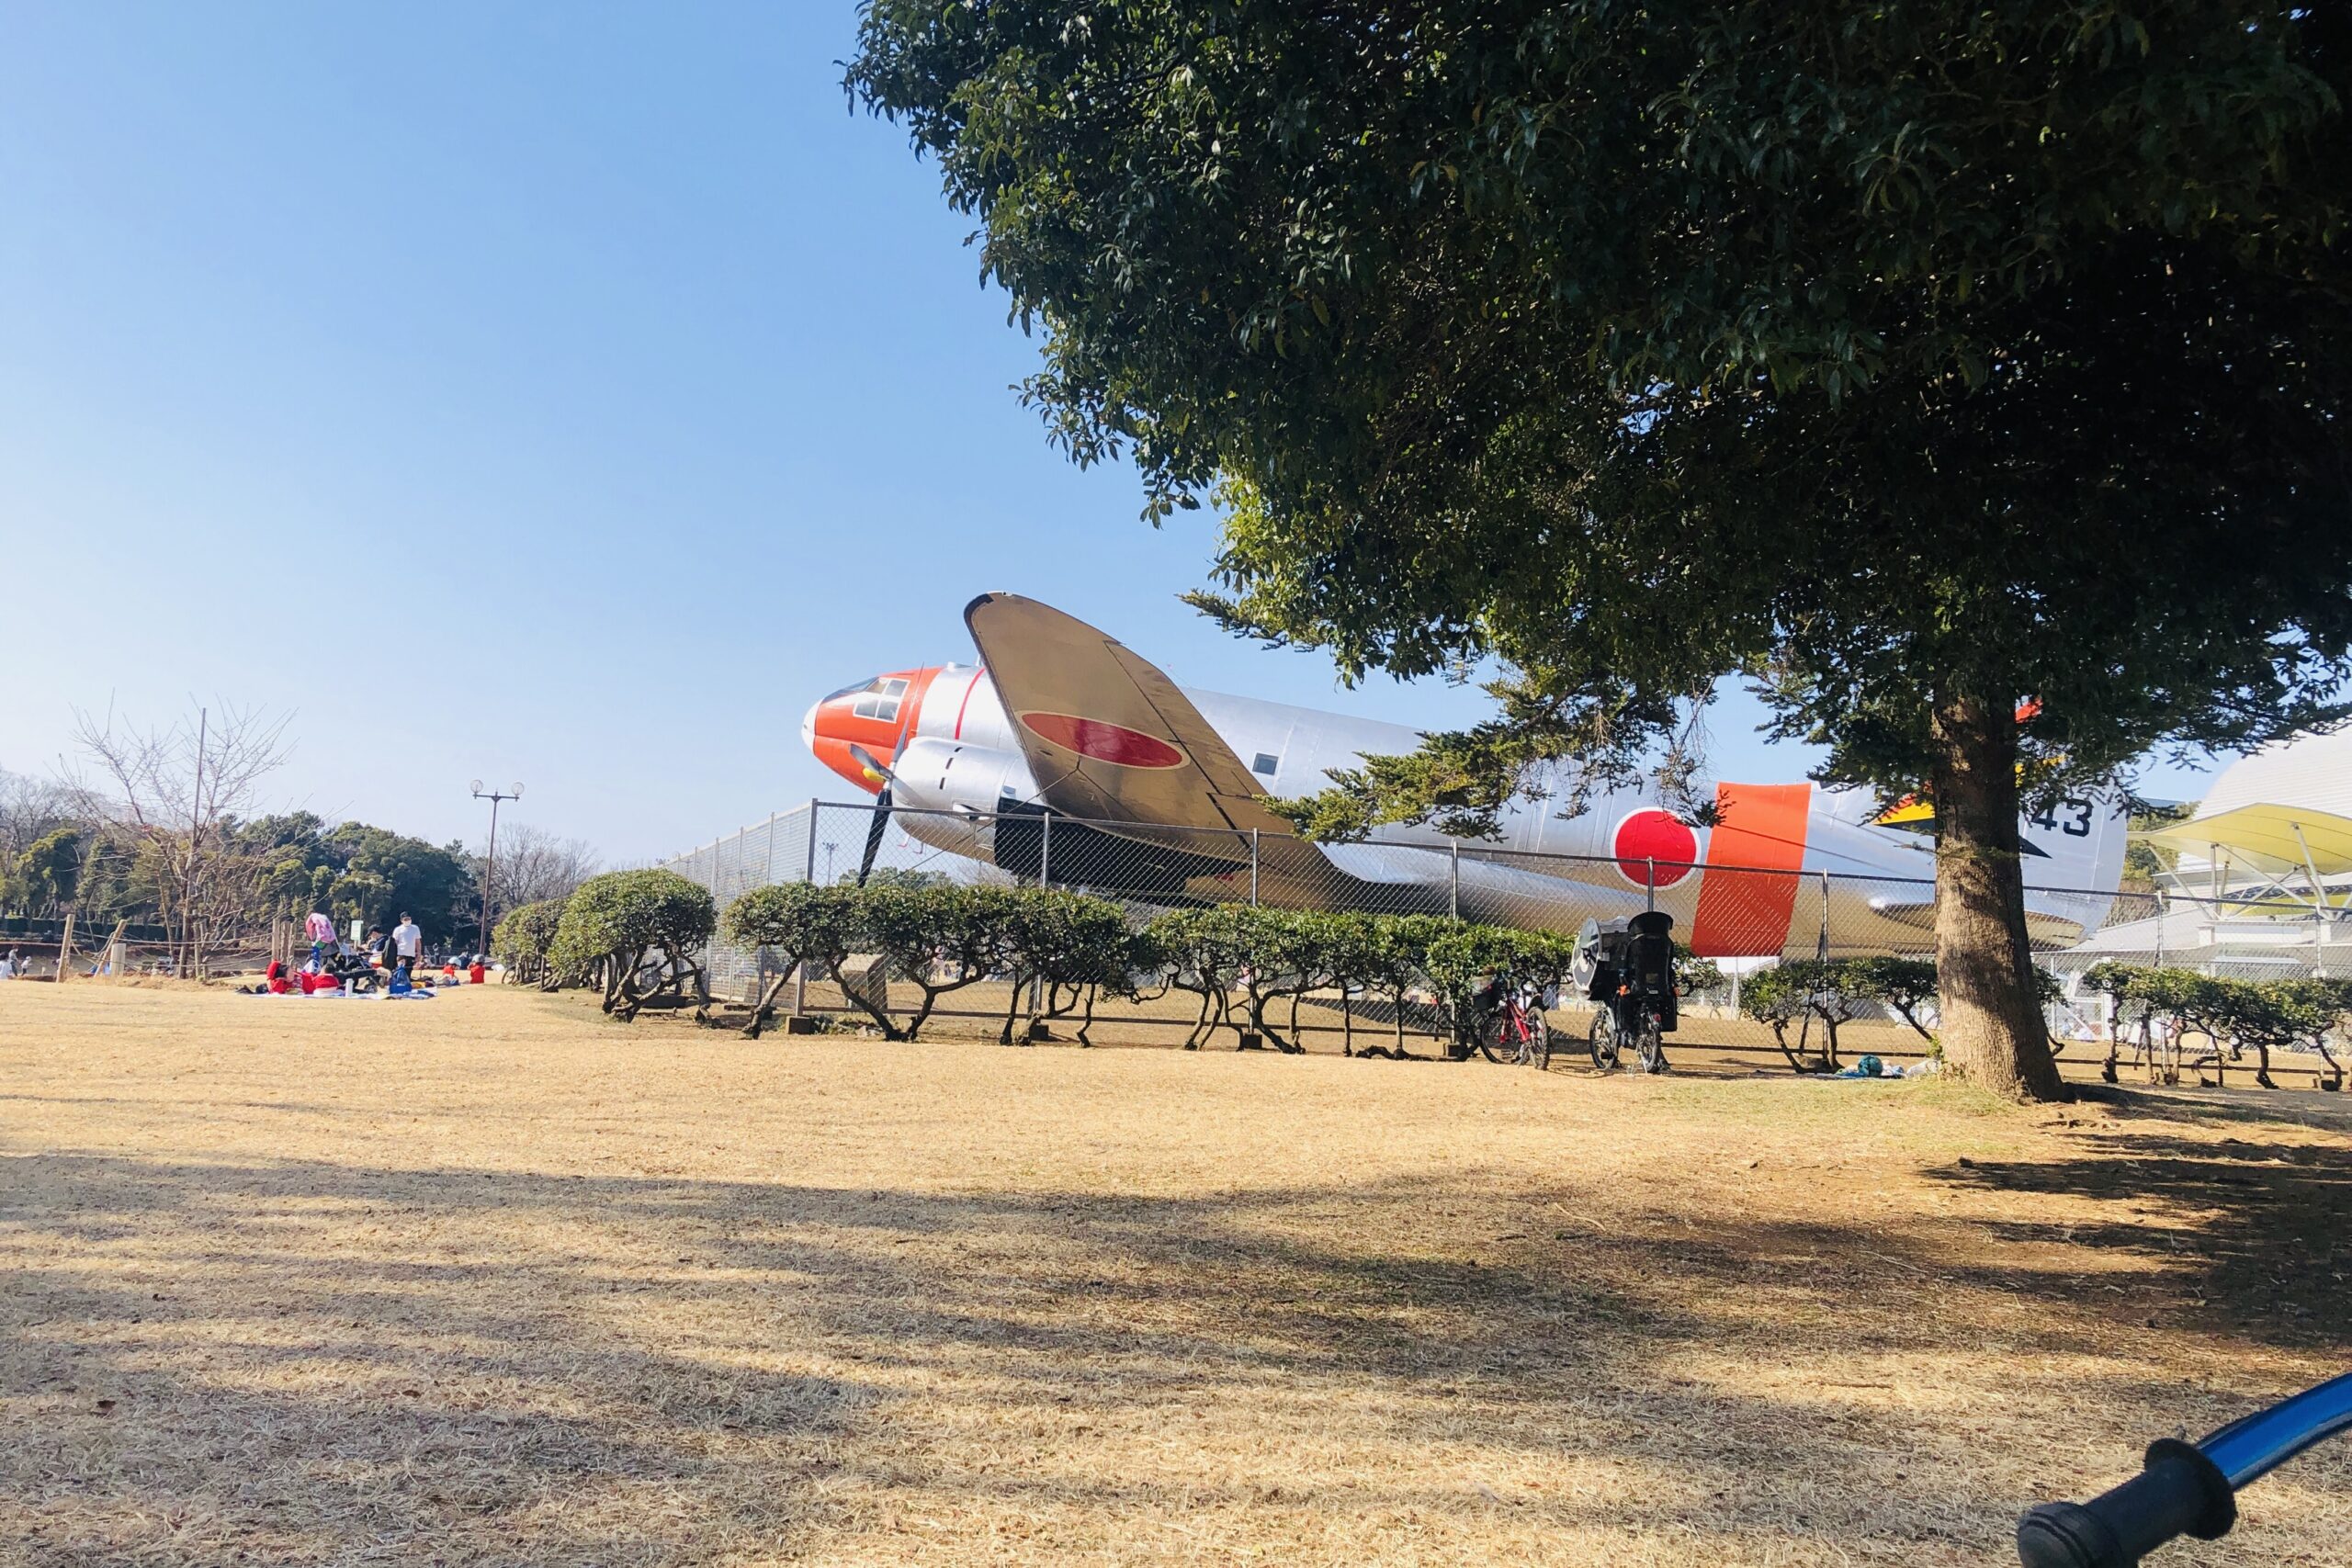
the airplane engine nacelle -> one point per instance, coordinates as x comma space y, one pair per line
934, 775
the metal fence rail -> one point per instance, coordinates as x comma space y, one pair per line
1743, 910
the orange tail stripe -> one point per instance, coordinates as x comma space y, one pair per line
1745, 914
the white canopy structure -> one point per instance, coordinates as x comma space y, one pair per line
2262, 878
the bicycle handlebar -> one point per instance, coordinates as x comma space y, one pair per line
2179, 1492
2183, 1489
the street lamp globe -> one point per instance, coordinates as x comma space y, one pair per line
475, 786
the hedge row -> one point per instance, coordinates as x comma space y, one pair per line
2234, 1015
635, 934
1063, 951
1800, 993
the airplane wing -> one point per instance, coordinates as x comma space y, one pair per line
1109, 737
2044, 928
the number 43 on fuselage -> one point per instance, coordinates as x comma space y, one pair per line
1155, 792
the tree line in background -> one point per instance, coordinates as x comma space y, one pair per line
159, 833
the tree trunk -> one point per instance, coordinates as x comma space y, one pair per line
1013, 1011
765, 1000
1992, 1029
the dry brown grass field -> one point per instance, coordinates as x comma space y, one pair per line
490, 1280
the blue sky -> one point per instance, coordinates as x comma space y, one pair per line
569, 393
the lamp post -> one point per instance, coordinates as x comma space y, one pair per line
489, 860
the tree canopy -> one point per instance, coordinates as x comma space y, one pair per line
1925, 365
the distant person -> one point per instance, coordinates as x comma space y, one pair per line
319, 928
475, 973
407, 942
380, 948
8, 966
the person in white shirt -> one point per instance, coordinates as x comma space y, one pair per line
407, 940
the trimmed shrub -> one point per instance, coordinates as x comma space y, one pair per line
799, 923
635, 934
1903, 985
525, 936
940, 937
1070, 945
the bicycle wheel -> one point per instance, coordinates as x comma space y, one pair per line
1603, 1042
1650, 1046
1539, 1042
1493, 1039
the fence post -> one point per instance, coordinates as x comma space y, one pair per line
1650, 885
1045, 851
1453, 892
808, 874
1253, 868
1824, 914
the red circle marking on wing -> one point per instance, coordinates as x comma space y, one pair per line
1654, 833
1102, 741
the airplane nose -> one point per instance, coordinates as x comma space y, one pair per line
858, 730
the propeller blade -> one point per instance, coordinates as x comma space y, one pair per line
874, 832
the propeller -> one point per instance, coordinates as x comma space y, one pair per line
881, 823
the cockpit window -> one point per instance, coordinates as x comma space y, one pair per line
881, 700
1265, 764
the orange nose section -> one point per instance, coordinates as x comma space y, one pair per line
857, 731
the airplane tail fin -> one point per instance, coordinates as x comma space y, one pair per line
2073, 865
2080, 841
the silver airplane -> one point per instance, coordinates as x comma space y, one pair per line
1064, 754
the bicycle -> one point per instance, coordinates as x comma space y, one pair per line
1507, 1023
1520, 1027
1627, 965
1640, 1028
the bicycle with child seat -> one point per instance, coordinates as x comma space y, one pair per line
1627, 967
1623, 1024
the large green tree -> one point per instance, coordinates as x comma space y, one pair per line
1922, 363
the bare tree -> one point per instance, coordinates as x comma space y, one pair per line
533, 865
29, 808
171, 790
